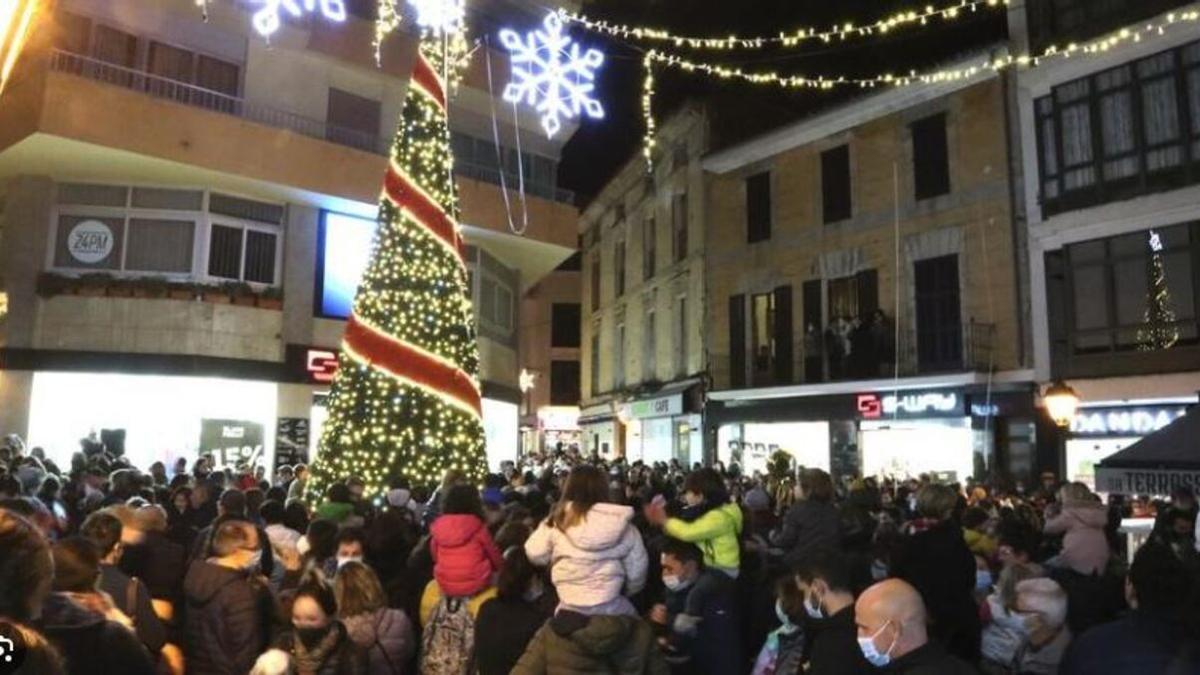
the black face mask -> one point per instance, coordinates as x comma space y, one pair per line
311, 636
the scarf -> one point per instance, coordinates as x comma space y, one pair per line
920, 525
308, 660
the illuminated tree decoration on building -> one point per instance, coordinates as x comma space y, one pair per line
269, 19
1159, 330
406, 401
440, 16
553, 74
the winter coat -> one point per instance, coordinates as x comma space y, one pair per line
160, 563
938, 564
339, 512
1139, 644
833, 646
464, 555
582, 645
1085, 546
347, 658
503, 629
716, 533
809, 526
930, 659
132, 598
713, 644
228, 616
596, 560
90, 644
387, 637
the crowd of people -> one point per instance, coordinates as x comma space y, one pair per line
573, 565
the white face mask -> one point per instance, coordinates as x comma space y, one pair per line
871, 653
813, 608
674, 583
342, 560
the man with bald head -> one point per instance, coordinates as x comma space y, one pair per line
892, 634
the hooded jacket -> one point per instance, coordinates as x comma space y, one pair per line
387, 637
716, 533
228, 617
582, 645
1085, 546
464, 555
596, 560
90, 643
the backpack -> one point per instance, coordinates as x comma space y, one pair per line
448, 645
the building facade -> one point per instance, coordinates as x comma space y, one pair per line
643, 337
1108, 146
863, 283
187, 210
551, 345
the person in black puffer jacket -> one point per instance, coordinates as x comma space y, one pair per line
507, 623
813, 524
228, 608
318, 643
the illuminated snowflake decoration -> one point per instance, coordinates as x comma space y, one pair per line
268, 19
440, 16
553, 74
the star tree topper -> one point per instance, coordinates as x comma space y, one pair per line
553, 74
442, 16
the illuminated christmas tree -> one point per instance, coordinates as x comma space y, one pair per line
1160, 330
406, 399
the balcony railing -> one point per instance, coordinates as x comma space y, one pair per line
489, 174
207, 99
957, 348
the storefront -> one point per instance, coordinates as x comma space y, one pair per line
951, 432
664, 427
155, 418
1100, 431
600, 431
558, 427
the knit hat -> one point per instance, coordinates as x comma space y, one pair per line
757, 499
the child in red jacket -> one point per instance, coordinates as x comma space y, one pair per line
464, 556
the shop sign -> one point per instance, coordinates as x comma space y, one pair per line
1131, 421
564, 418
291, 441
654, 407
1152, 482
90, 242
231, 443
916, 404
321, 365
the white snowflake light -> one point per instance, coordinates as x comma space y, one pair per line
268, 20
442, 16
553, 74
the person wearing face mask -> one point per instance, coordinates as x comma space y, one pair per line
783, 651
228, 607
892, 636
507, 623
1026, 630
698, 616
318, 643
386, 634
824, 582
351, 547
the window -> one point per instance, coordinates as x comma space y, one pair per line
835, 184
758, 207
595, 279
495, 306
681, 337
762, 338
939, 314
242, 253
352, 120
114, 46
1123, 132
650, 343
564, 383
595, 360
565, 325
679, 226
619, 268
217, 75
619, 356
843, 298
159, 245
1112, 282
931, 158
649, 248
73, 33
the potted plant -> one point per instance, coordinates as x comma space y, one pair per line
120, 288
94, 285
181, 291
241, 292
271, 298
217, 295
150, 287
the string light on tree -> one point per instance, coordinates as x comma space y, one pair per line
269, 19
1159, 330
792, 38
553, 74
406, 401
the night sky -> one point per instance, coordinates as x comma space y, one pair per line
599, 149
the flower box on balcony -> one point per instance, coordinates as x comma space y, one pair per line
181, 291
215, 296
149, 287
271, 298
241, 293
93, 285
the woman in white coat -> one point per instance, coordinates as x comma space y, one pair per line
595, 554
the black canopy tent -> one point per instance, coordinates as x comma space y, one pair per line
1160, 462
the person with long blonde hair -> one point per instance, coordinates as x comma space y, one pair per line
595, 554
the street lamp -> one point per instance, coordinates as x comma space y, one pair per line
1061, 402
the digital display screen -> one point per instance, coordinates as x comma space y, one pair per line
345, 251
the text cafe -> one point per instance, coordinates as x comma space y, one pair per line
954, 433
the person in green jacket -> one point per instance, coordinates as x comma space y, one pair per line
710, 521
587, 645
